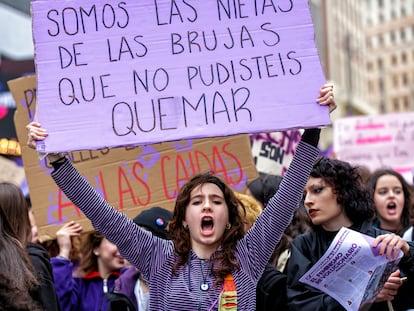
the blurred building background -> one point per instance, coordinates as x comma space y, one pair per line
16, 59
367, 50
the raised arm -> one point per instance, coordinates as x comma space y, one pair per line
269, 227
136, 245
66, 287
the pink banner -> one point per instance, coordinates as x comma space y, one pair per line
377, 141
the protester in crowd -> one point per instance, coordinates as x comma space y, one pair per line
155, 220
262, 189
271, 288
26, 274
412, 206
249, 209
34, 229
52, 247
365, 173
131, 293
334, 198
208, 248
300, 224
412, 203
392, 197
85, 287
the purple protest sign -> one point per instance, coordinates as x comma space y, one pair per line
113, 73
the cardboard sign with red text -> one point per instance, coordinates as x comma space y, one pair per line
131, 179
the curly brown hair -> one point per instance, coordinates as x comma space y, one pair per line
223, 262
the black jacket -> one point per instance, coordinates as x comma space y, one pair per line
306, 250
271, 290
404, 300
45, 293
122, 296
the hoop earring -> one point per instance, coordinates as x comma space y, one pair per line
186, 228
228, 226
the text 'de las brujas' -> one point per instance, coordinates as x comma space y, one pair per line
130, 73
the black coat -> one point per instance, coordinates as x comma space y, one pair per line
45, 293
404, 300
306, 250
271, 290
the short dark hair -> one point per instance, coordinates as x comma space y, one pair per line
264, 187
346, 181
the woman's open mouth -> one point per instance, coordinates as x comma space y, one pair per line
207, 224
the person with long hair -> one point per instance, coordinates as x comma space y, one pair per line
392, 196
84, 285
209, 251
131, 292
335, 197
26, 274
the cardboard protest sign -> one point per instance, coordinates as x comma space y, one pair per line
377, 141
139, 72
131, 179
273, 152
